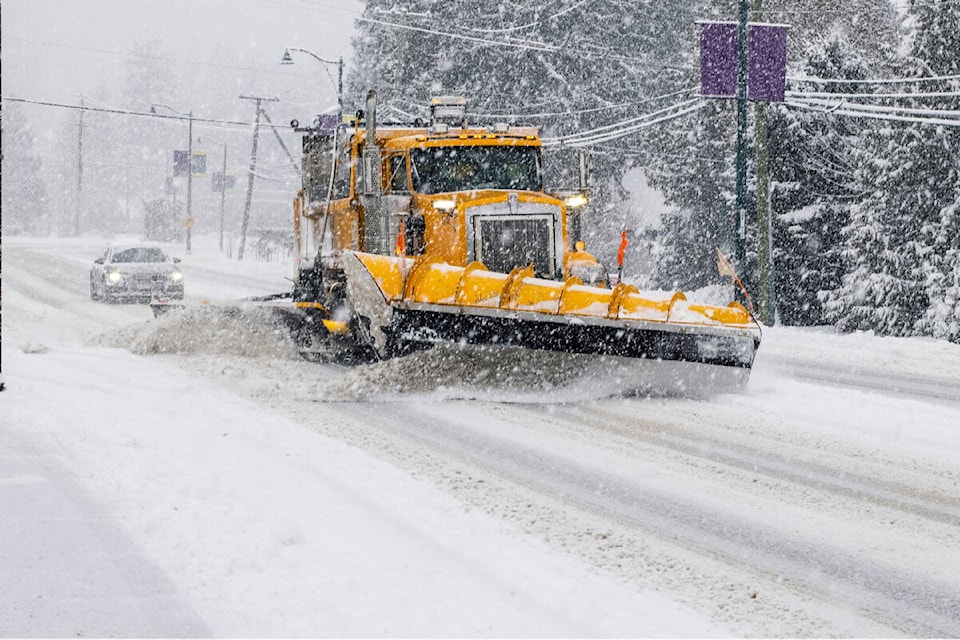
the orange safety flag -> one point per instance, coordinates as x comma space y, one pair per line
623, 248
401, 241
724, 267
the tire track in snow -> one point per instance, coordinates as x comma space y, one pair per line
931, 388
940, 508
910, 601
52, 292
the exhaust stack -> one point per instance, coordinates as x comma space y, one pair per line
376, 232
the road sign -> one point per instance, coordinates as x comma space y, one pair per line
199, 163
217, 182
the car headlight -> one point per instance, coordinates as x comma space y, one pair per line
176, 276
113, 277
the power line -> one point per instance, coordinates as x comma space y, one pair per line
600, 53
828, 94
873, 108
511, 117
582, 111
875, 116
625, 127
630, 121
883, 81
458, 36
125, 112
158, 57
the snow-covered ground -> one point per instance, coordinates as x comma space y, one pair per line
193, 477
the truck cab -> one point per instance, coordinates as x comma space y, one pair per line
456, 193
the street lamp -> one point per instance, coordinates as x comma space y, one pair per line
223, 183
189, 116
288, 59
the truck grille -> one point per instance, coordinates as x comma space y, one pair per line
505, 242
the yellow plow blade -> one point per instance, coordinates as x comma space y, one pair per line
425, 280
662, 345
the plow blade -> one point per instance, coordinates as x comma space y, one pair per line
410, 304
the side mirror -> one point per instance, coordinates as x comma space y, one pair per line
175, 260
98, 261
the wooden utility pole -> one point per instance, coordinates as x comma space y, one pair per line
767, 302
764, 241
253, 166
283, 145
76, 215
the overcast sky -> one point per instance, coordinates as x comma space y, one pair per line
55, 50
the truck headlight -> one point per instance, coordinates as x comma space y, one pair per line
176, 276
575, 201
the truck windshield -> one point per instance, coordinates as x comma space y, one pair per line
466, 168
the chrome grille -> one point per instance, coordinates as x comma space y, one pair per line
506, 242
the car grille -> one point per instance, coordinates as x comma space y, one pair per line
148, 281
505, 242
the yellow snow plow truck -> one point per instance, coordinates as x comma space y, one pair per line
412, 235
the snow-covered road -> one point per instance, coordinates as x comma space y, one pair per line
823, 501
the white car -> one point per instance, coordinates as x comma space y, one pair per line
135, 272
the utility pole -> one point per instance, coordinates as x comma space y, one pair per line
253, 164
189, 177
283, 145
767, 301
76, 215
741, 219
223, 191
188, 223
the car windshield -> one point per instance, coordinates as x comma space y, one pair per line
467, 168
140, 254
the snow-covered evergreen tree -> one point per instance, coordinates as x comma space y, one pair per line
813, 158
24, 198
936, 43
882, 290
567, 67
900, 242
696, 174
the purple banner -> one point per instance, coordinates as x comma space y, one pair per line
326, 123
767, 56
181, 163
718, 59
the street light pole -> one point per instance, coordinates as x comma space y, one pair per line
189, 116
288, 59
189, 177
76, 219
